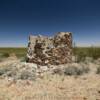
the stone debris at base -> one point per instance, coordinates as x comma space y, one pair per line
55, 50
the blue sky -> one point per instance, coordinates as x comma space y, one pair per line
20, 18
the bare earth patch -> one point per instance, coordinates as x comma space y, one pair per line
52, 86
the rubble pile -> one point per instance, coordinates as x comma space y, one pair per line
55, 50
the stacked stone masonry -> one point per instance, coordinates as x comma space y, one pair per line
55, 50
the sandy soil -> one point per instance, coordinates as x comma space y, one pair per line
53, 87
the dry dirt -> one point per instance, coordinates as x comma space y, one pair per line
53, 87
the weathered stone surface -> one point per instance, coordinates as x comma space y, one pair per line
55, 50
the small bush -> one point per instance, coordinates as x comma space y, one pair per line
24, 75
1, 60
4, 70
58, 71
5, 55
71, 70
23, 59
81, 57
81, 52
98, 70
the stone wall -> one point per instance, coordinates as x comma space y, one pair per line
55, 50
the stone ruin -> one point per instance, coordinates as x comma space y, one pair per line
55, 50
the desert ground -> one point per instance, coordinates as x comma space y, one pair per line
76, 81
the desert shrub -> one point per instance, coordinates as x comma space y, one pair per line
81, 57
18, 72
1, 60
96, 55
23, 59
93, 52
11, 72
24, 75
58, 71
72, 70
20, 55
98, 70
20, 52
5, 55
4, 70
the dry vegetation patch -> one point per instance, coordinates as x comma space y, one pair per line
76, 81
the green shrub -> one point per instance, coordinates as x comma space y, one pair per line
81, 52
81, 57
5, 55
19, 52
94, 52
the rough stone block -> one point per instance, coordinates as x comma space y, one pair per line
55, 50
